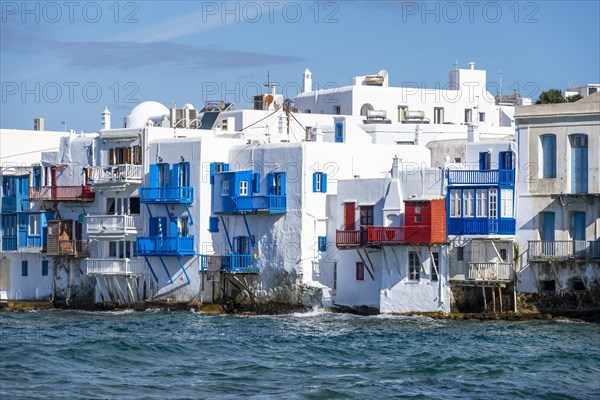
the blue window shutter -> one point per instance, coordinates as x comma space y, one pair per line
153, 175
482, 157
282, 183
315, 177
256, 183
212, 172
225, 167
173, 228
153, 228
339, 132
324, 183
270, 184
322, 243
213, 224
175, 175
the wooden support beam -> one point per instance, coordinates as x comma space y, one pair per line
500, 295
484, 299
494, 300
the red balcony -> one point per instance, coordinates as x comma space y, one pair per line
63, 193
372, 235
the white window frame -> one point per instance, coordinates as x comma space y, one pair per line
455, 204
493, 202
318, 177
469, 200
224, 188
34, 222
482, 203
507, 203
414, 267
243, 188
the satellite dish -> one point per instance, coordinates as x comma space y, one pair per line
268, 99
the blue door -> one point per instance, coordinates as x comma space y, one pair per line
505, 161
484, 161
579, 164
548, 244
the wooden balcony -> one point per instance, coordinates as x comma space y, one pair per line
165, 246
73, 248
548, 250
113, 225
229, 263
349, 239
385, 234
116, 174
62, 193
490, 271
481, 177
115, 266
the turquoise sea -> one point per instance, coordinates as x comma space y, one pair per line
187, 355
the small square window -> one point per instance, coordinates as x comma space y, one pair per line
244, 188
418, 218
322, 243
503, 255
225, 188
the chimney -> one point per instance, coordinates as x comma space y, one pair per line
307, 81
472, 65
105, 118
38, 124
395, 167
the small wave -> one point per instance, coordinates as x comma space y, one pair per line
315, 312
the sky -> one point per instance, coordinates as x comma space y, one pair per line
66, 61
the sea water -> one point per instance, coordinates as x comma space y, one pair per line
187, 355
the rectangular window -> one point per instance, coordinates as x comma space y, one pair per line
460, 254
503, 255
279, 183
322, 243
366, 215
34, 225
455, 203
184, 226
507, 203
493, 203
482, 205
469, 203
184, 174
414, 267
481, 117
548, 155
339, 132
163, 175
468, 114
337, 110
360, 271
243, 188
319, 182
37, 176
224, 188
435, 265
24, 268
112, 249
438, 115
418, 215
213, 224
45, 267
485, 161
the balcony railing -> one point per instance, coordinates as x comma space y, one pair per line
115, 266
63, 193
490, 271
481, 177
116, 174
167, 195
11, 204
481, 226
271, 204
594, 250
165, 246
113, 224
33, 244
385, 234
352, 238
231, 263
75, 248
556, 249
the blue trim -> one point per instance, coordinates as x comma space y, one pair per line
184, 271
166, 269
151, 269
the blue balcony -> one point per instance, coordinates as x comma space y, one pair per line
12, 204
504, 177
254, 204
167, 195
229, 263
9, 243
481, 226
165, 246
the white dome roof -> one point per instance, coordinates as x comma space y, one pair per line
143, 112
188, 106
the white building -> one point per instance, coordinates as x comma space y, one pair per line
558, 219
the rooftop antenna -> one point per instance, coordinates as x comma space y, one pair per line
456, 65
268, 84
500, 85
65, 125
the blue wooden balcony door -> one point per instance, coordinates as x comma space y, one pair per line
505, 161
579, 164
548, 233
